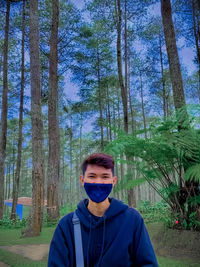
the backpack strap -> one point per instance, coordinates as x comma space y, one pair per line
78, 241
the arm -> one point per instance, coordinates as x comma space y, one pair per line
144, 253
59, 251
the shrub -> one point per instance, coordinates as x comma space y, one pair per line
6, 222
157, 212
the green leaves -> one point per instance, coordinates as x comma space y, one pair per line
166, 152
169, 159
170, 190
194, 200
127, 183
193, 173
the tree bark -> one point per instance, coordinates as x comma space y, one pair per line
38, 169
19, 152
109, 113
9, 181
163, 79
196, 19
131, 192
4, 112
172, 53
53, 122
119, 66
71, 163
143, 111
100, 99
133, 123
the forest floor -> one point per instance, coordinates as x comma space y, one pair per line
179, 245
32, 252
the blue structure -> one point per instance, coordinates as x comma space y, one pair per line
19, 209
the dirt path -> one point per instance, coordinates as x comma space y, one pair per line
3, 264
32, 252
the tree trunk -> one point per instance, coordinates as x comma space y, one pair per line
114, 119
100, 99
172, 53
106, 118
37, 127
53, 123
196, 18
9, 181
71, 158
119, 66
4, 112
130, 192
118, 111
133, 123
6, 183
143, 111
80, 137
163, 79
19, 152
109, 113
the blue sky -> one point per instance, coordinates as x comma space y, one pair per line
186, 54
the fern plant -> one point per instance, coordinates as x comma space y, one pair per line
169, 160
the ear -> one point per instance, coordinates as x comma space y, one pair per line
82, 180
114, 180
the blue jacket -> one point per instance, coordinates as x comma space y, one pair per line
118, 239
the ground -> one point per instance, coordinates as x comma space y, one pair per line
183, 246
175, 243
3, 264
32, 252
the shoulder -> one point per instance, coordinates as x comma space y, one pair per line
134, 213
66, 220
133, 216
118, 207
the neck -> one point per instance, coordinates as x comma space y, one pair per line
98, 209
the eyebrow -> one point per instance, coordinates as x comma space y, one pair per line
96, 174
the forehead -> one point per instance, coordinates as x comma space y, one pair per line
97, 169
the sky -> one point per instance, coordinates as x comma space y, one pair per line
186, 54
78, 3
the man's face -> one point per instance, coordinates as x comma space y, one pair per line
98, 175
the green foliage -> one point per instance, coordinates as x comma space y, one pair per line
127, 183
65, 209
157, 212
193, 173
170, 190
194, 200
47, 222
171, 221
169, 159
6, 222
192, 223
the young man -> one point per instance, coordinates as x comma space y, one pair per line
113, 234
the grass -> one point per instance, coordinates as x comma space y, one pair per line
169, 262
10, 237
15, 260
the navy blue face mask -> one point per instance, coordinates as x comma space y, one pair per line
97, 192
